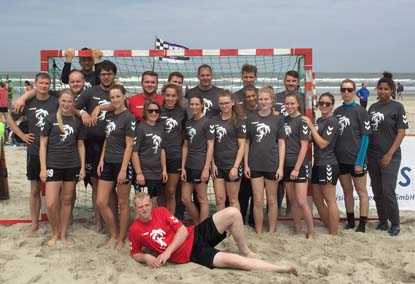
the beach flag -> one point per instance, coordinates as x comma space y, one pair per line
165, 45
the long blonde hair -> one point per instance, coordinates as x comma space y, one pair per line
59, 119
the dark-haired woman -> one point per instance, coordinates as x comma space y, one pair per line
196, 160
173, 117
351, 148
149, 156
114, 166
325, 169
62, 164
228, 151
264, 158
388, 122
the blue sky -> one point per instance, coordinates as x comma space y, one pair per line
346, 36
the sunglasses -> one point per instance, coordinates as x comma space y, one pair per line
153, 111
344, 90
324, 104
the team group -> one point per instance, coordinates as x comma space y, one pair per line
253, 143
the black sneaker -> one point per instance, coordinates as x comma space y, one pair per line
349, 226
394, 230
382, 226
361, 228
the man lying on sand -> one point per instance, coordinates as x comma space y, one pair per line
156, 229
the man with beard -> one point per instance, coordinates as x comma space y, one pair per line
249, 75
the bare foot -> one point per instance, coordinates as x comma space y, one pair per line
52, 241
292, 270
33, 228
112, 242
67, 243
310, 235
120, 245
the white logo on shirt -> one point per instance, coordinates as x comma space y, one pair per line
156, 143
103, 112
305, 129
220, 133
283, 110
287, 129
404, 119
68, 130
41, 115
376, 118
110, 127
170, 124
329, 173
243, 126
329, 130
262, 130
344, 122
191, 132
158, 236
133, 125
367, 125
207, 105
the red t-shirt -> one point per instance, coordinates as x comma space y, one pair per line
136, 103
4, 98
158, 233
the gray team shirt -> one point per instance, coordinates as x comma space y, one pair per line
210, 99
197, 133
280, 102
263, 134
149, 142
385, 119
296, 129
353, 124
226, 141
327, 129
62, 150
118, 126
174, 122
88, 100
37, 113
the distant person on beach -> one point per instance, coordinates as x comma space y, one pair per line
399, 91
136, 102
4, 99
351, 148
363, 95
388, 122
157, 230
87, 66
206, 90
62, 164
37, 111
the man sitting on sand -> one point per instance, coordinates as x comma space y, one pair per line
156, 229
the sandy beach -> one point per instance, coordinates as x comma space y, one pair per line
350, 257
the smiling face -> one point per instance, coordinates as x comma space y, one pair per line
143, 208
153, 113
384, 91
42, 85
264, 101
348, 91
170, 97
149, 84
225, 104
205, 77
325, 105
291, 83
76, 82
176, 80
196, 106
106, 78
117, 99
66, 103
250, 99
291, 105
248, 78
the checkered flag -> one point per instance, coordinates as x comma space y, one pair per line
165, 45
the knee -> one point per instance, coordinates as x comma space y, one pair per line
67, 201
232, 212
123, 204
101, 204
186, 199
52, 205
220, 199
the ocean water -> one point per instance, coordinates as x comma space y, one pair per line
325, 81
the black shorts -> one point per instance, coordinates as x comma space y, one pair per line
174, 166
32, 167
345, 169
325, 174
303, 174
4, 109
111, 170
193, 176
206, 238
266, 175
153, 187
68, 174
224, 174
93, 150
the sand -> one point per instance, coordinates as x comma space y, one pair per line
350, 257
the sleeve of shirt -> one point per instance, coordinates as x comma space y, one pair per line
135, 240
402, 118
210, 130
305, 131
65, 72
241, 130
83, 100
45, 130
331, 130
130, 127
139, 137
82, 131
364, 122
170, 220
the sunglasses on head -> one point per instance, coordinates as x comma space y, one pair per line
324, 104
350, 90
153, 111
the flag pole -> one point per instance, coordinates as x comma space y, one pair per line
154, 59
